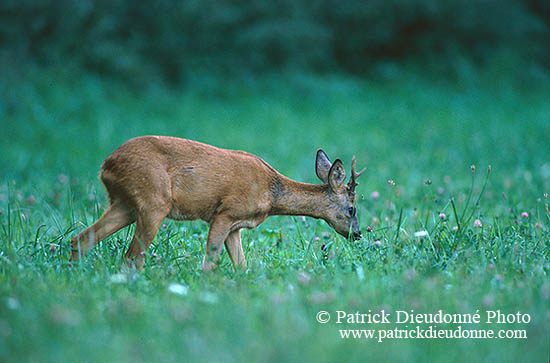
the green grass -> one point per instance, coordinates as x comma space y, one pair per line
423, 134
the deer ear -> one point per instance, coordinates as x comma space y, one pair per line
322, 166
337, 175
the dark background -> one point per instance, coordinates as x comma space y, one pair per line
169, 41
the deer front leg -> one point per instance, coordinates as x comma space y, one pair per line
219, 230
234, 248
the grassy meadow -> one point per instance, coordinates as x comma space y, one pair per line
418, 138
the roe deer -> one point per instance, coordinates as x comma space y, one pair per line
150, 178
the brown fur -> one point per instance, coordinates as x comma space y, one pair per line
151, 178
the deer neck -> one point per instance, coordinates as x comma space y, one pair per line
293, 198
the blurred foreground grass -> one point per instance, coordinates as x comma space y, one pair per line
423, 134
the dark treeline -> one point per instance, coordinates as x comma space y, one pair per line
168, 38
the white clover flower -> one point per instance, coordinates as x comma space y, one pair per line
421, 234
178, 289
119, 279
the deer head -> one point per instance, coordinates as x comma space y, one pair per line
340, 212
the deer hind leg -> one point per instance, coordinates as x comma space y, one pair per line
234, 248
147, 226
115, 217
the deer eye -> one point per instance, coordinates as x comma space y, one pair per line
351, 211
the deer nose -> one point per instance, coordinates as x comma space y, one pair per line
357, 235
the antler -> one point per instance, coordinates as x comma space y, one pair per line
352, 179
